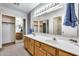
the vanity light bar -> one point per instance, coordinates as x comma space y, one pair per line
47, 8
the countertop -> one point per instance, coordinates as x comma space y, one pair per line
60, 42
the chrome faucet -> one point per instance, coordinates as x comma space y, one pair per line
54, 38
75, 41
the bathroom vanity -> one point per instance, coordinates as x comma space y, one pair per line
49, 46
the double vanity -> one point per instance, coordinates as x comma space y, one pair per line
51, 45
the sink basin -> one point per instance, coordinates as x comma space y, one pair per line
59, 40
67, 43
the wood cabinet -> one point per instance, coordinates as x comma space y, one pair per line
29, 45
37, 48
19, 36
26, 42
37, 43
39, 51
48, 49
62, 53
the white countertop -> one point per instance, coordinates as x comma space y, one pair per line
60, 43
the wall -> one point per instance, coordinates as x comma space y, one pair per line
28, 22
0, 30
10, 12
19, 21
66, 31
78, 19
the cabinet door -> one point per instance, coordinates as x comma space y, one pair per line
25, 42
39, 52
31, 46
31, 40
32, 49
48, 49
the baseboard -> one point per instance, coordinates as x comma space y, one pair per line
7, 44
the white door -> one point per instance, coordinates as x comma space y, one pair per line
8, 32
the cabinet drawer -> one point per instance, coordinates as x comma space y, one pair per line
39, 52
25, 37
32, 41
49, 49
62, 53
37, 43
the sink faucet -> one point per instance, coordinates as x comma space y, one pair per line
54, 38
75, 41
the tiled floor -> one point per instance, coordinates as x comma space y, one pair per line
14, 50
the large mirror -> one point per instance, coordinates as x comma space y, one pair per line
53, 22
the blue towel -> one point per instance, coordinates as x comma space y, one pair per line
70, 18
31, 30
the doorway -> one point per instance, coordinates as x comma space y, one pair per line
24, 26
8, 29
20, 29
44, 27
57, 25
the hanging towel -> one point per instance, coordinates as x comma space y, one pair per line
70, 18
31, 30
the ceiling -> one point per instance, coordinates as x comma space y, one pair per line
24, 7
